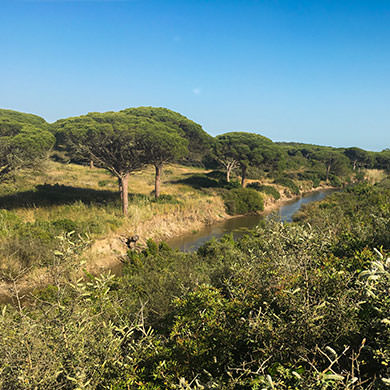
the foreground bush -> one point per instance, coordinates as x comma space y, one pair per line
302, 306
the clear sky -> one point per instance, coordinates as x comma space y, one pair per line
315, 71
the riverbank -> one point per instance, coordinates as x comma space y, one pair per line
148, 222
106, 253
91, 211
271, 204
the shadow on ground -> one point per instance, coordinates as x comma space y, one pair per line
214, 179
49, 195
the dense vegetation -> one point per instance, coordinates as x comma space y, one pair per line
299, 306
294, 306
24, 142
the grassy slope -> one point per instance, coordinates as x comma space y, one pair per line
89, 197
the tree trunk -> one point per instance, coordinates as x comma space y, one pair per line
157, 180
124, 180
327, 173
228, 171
91, 164
243, 176
354, 165
120, 188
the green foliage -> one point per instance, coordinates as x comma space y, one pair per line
239, 149
198, 140
166, 199
24, 142
286, 182
269, 190
314, 176
243, 201
301, 306
335, 181
23, 118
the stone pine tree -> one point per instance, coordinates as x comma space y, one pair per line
335, 162
24, 142
199, 141
240, 149
110, 141
358, 157
161, 145
119, 143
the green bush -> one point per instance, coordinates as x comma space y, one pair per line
335, 181
314, 176
286, 182
166, 199
269, 190
300, 306
243, 201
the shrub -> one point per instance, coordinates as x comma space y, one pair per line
269, 190
335, 181
314, 176
231, 185
286, 182
243, 201
165, 199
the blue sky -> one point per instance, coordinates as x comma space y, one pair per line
312, 71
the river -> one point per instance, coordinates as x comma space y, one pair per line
239, 225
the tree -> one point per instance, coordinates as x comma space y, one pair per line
24, 142
198, 140
382, 160
161, 145
120, 143
110, 141
335, 161
225, 154
239, 149
24, 119
358, 157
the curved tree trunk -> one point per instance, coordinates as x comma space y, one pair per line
123, 183
157, 180
243, 176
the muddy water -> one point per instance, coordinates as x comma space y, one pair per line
238, 226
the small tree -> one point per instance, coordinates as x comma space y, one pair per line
161, 145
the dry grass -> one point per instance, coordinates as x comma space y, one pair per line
374, 175
190, 210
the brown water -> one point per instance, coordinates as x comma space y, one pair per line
240, 225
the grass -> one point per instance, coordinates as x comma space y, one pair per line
374, 175
72, 199
73, 195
